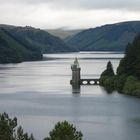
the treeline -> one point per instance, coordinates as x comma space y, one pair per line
127, 79
9, 130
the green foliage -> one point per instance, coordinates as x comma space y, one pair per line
109, 70
132, 86
136, 92
102, 80
64, 131
119, 82
7, 127
121, 68
107, 78
130, 64
109, 82
127, 79
23, 136
115, 82
129, 86
9, 130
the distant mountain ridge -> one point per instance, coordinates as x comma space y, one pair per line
38, 39
18, 44
111, 37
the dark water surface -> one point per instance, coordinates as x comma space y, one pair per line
40, 95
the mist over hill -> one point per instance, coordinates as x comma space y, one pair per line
64, 33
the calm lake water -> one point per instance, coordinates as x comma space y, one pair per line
40, 95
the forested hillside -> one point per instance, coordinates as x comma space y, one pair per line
38, 39
13, 51
113, 37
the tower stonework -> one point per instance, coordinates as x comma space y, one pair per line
75, 82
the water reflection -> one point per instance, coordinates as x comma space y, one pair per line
76, 89
76, 107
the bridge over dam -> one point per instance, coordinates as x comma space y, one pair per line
89, 81
76, 81
86, 82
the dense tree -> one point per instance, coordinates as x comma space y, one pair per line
119, 82
9, 130
109, 83
130, 64
64, 131
127, 80
7, 127
109, 70
132, 86
106, 76
20, 135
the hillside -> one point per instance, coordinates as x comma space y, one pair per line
63, 33
38, 39
113, 37
13, 51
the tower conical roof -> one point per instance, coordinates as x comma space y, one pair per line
76, 63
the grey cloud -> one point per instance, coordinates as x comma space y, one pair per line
69, 13
98, 4
83, 4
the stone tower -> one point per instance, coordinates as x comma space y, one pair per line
75, 82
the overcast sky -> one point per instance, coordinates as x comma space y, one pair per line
67, 13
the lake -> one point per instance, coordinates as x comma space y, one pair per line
39, 94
